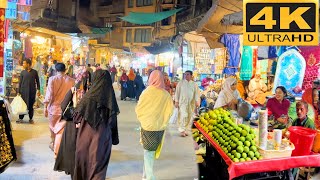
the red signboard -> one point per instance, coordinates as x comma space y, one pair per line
2, 22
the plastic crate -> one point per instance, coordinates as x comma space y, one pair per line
270, 154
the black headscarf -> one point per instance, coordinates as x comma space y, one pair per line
99, 103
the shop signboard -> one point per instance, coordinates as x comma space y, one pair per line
25, 2
11, 11
24, 13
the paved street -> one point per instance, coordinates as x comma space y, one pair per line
35, 159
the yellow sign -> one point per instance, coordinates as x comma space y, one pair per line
281, 22
3, 4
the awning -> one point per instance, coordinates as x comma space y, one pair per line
233, 19
103, 30
159, 47
211, 25
148, 18
42, 31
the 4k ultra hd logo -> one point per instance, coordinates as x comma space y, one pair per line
281, 22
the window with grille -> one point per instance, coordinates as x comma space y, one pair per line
130, 3
129, 36
144, 3
142, 36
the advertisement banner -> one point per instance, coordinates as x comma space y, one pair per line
25, 2
11, 11
281, 23
24, 13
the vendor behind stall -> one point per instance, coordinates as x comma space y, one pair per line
278, 106
257, 89
229, 95
303, 119
207, 81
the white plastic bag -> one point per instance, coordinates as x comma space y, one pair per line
19, 106
174, 116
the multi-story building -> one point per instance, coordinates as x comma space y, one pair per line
57, 15
109, 12
145, 35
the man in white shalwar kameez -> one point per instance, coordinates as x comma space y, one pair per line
187, 97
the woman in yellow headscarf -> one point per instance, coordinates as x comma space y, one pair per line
131, 75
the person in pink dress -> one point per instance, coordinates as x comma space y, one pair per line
58, 86
207, 82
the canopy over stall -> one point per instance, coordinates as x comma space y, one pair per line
148, 18
211, 25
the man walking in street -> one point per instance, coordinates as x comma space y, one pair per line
58, 86
186, 99
29, 86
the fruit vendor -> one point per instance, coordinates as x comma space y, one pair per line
278, 106
303, 119
257, 89
229, 95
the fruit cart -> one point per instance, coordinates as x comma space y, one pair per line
220, 165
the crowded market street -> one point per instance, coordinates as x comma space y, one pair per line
36, 160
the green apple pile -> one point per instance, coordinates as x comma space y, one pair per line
237, 141
197, 135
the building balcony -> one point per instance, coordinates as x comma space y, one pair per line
168, 4
104, 11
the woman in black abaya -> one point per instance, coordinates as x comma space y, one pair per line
96, 120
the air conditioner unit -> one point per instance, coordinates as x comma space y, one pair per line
109, 25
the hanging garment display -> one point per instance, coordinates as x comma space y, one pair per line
264, 69
290, 70
7, 150
254, 61
272, 53
246, 63
231, 41
312, 57
263, 52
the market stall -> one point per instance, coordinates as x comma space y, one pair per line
278, 164
225, 159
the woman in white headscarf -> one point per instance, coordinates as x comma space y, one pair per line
229, 95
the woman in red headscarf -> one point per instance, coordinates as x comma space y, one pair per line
124, 85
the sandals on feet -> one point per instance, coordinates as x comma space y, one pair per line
19, 121
183, 134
